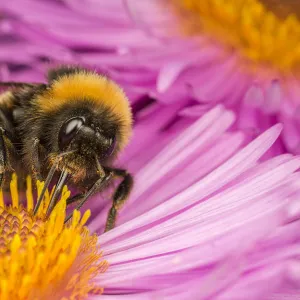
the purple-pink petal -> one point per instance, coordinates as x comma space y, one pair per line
223, 230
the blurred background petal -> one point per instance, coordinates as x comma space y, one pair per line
244, 54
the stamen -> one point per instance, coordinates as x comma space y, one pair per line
247, 27
29, 196
14, 191
40, 256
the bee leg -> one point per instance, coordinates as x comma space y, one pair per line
120, 196
48, 180
74, 199
3, 155
45, 187
6, 146
35, 162
97, 186
59, 186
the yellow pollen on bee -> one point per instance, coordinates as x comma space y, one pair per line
245, 26
43, 258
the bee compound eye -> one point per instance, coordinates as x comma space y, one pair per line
68, 131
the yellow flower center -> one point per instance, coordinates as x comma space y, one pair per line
43, 258
266, 36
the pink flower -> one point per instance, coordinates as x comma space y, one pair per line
242, 54
206, 219
210, 217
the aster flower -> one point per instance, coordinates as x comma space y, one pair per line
241, 53
207, 218
229, 232
40, 257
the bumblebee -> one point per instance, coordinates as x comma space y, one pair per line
73, 126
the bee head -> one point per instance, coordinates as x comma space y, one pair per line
85, 114
92, 135
87, 139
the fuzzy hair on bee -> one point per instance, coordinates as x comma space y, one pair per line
75, 126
